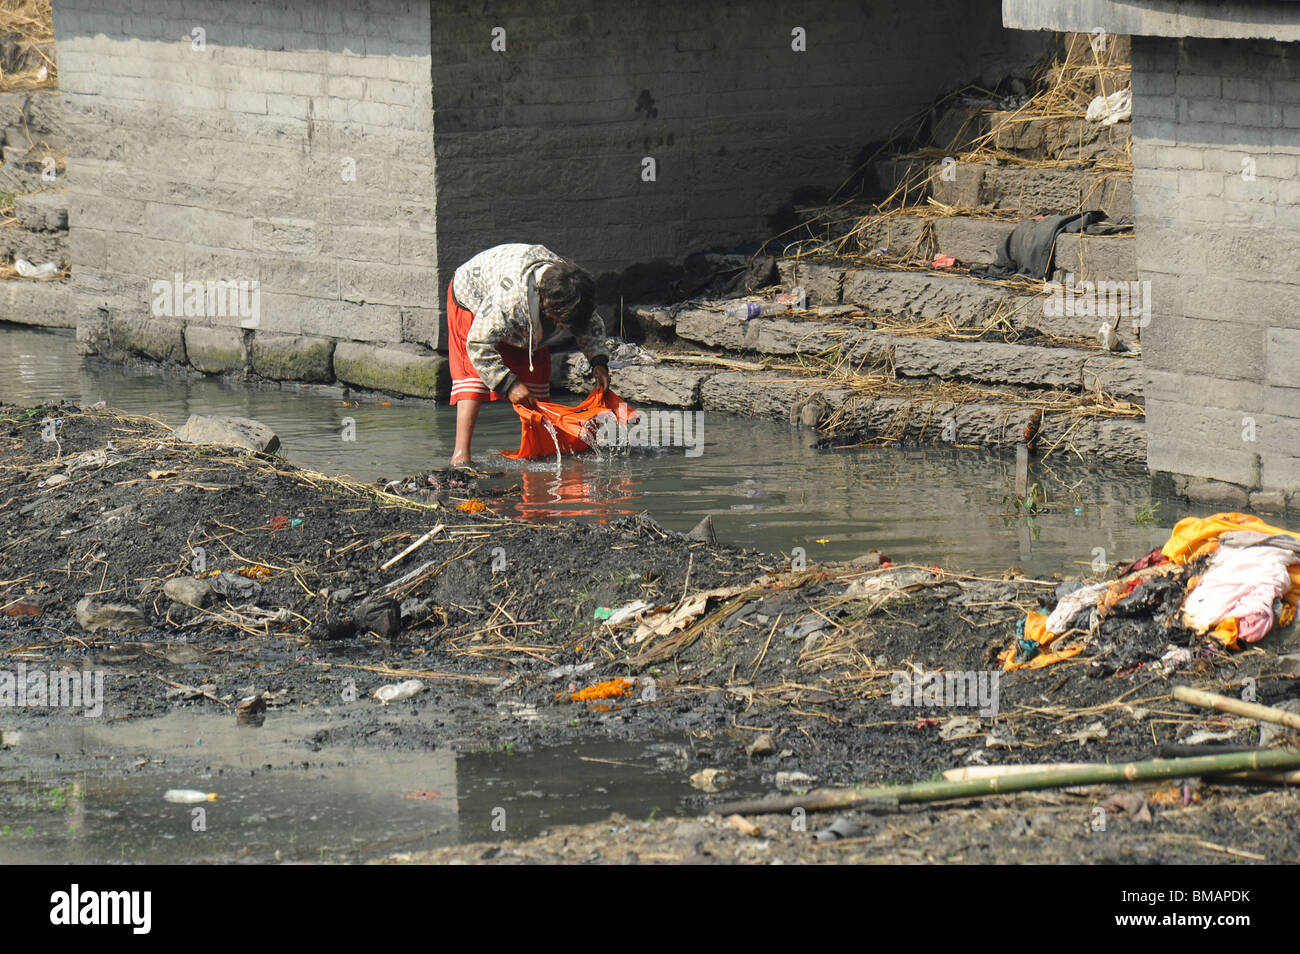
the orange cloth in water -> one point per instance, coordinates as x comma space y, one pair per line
1195, 537
535, 441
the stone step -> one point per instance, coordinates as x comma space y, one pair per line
983, 362
921, 295
1075, 138
37, 247
974, 241
1114, 440
1033, 190
18, 55
993, 362
23, 177
970, 302
48, 304
1093, 258
920, 416
42, 211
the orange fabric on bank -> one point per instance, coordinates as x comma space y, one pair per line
1195, 537
1036, 629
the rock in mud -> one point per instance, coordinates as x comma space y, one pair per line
251, 710
115, 616
382, 616
231, 584
188, 591
228, 430
332, 627
703, 532
761, 746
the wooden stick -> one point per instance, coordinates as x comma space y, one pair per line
823, 799
402, 579
1251, 710
411, 549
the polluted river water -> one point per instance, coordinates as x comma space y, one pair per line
764, 483
79, 789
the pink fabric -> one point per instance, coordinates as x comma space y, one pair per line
1241, 584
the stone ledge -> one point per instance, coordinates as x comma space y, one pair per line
402, 369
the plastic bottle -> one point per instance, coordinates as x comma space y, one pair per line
797, 300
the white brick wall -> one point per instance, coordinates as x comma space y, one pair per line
1216, 151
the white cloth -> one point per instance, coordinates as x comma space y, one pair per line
1081, 599
1240, 583
1112, 109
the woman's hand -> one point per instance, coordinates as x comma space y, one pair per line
519, 394
601, 373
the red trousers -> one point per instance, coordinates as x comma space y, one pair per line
465, 381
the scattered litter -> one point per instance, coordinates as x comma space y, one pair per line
943, 261
787, 781
188, 796
602, 612
473, 505
1112, 109
840, 828
577, 669
1201, 736
761, 746
27, 270
397, 692
626, 353
670, 619
1132, 804
1000, 737
744, 826
610, 689
1088, 734
960, 727
421, 795
711, 779
1229, 576
627, 611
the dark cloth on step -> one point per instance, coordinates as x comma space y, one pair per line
1028, 250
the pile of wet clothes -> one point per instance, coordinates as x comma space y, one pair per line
1218, 582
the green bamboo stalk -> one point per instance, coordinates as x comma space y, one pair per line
823, 799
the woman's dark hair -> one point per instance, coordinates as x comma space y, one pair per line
568, 295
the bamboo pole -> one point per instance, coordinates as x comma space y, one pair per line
1002, 771
971, 788
1251, 710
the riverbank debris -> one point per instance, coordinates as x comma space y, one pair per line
1226, 579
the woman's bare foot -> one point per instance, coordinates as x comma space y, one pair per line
461, 460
